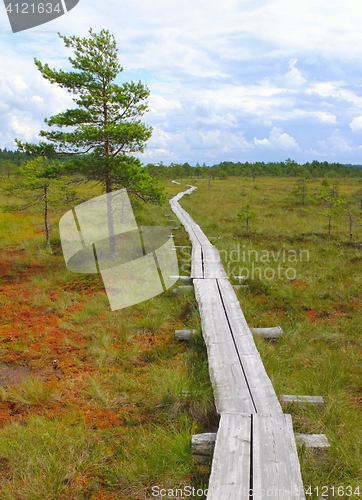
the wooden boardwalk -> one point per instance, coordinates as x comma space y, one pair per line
255, 454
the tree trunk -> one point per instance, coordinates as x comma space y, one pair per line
350, 226
46, 220
112, 243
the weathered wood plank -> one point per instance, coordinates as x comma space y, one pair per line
301, 400
253, 450
231, 391
202, 445
195, 232
273, 332
313, 440
261, 388
184, 335
276, 469
230, 473
197, 268
213, 267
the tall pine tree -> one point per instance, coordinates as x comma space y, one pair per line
104, 128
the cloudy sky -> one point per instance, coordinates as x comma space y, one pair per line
230, 80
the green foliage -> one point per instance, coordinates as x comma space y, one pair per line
336, 207
319, 311
39, 182
287, 168
31, 392
104, 128
301, 191
47, 459
7, 169
13, 157
246, 214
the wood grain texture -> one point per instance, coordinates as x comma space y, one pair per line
203, 444
301, 400
231, 390
273, 332
197, 267
276, 469
213, 267
184, 335
230, 473
255, 453
260, 386
313, 440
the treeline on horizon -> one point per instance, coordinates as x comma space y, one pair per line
225, 169
11, 160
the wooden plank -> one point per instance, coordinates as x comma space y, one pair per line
252, 450
273, 332
276, 469
197, 268
230, 472
184, 334
301, 400
261, 388
195, 232
187, 222
313, 440
231, 390
213, 267
202, 445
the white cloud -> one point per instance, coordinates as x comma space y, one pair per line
324, 116
278, 140
263, 143
159, 106
219, 73
337, 90
23, 127
334, 144
356, 124
160, 138
154, 154
294, 76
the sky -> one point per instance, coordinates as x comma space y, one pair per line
231, 80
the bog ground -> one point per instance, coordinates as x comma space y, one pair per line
115, 414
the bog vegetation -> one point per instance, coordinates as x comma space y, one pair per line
301, 258
97, 404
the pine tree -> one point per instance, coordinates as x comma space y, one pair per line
38, 183
104, 129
